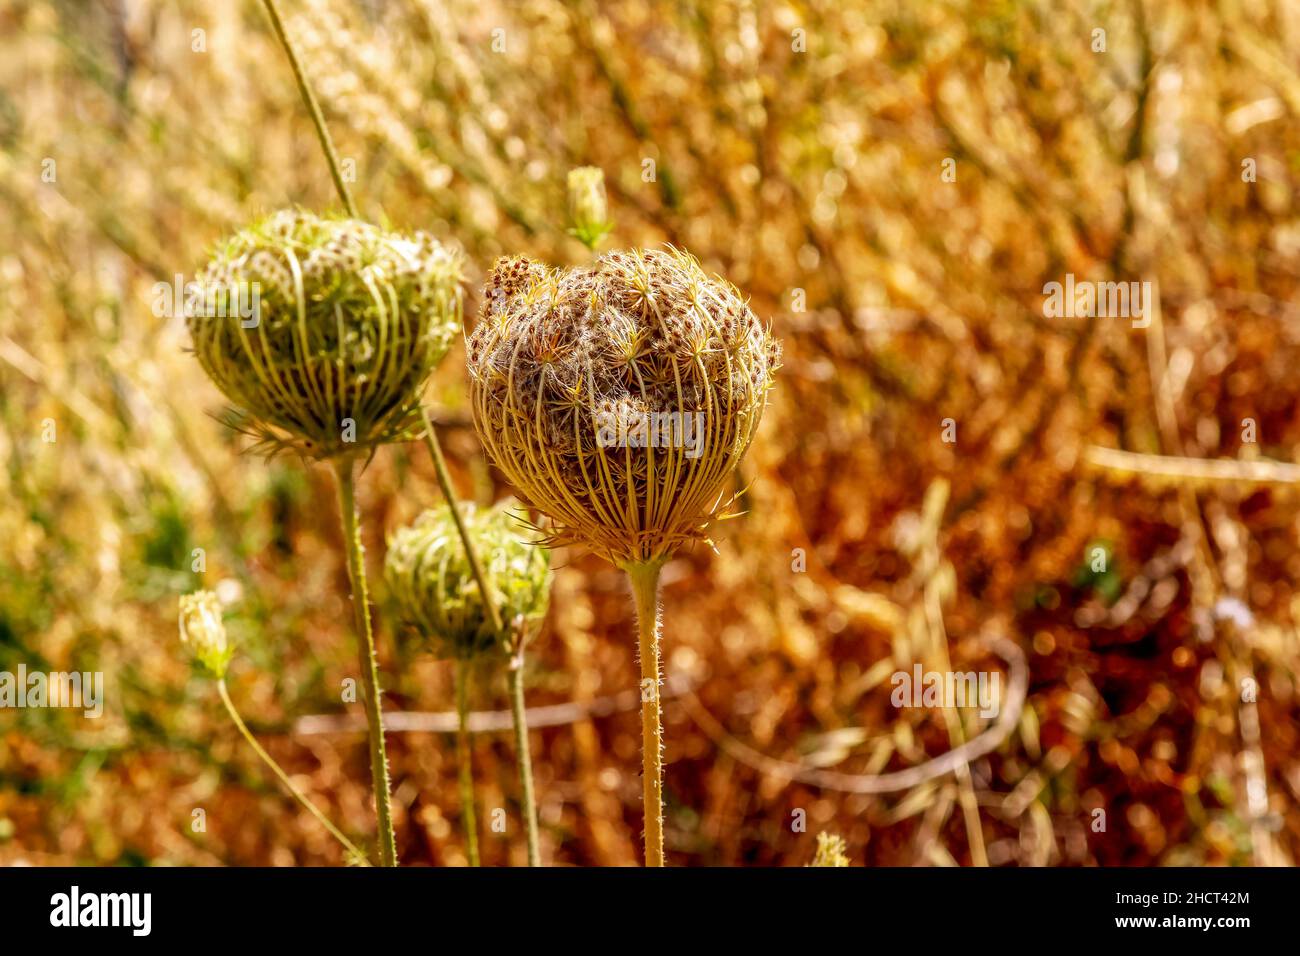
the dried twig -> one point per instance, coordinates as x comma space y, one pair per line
487, 721
948, 762
1194, 470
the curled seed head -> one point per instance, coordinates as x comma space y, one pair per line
203, 631
618, 398
436, 594
348, 322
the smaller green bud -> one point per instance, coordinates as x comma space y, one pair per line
203, 631
437, 596
587, 208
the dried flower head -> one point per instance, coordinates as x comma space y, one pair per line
203, 631
588, 211
434, 588
618, 398
349, 322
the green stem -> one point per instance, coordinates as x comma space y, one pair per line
449, 495
343, 471
527, 798
645, 592
297, 794
464, 759
313, 107
515, 676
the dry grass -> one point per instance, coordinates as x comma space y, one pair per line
813, 181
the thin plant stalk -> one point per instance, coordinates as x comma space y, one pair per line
449, 494
464, 759
644, 578
515, 677
440, 465
523, 756
354, 853
347, 502
313, 107
344, 472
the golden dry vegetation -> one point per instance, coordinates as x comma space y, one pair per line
799, 150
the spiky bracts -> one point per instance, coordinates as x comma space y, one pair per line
350, 321
433, 585
618, 398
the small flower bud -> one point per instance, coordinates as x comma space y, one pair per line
830, 851
587, 208
433, 584
203, 631
349, 322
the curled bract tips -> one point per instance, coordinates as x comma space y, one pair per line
618, 398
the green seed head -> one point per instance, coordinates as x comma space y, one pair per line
619, 398
203, 631
437, 595
349, 322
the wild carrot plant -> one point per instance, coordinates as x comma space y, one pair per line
391, 386
434, 587
351, 321
203, 631
618, 399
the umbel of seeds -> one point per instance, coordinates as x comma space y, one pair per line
433, 585
348, 322
618, 398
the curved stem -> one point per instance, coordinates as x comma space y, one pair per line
343, 471
527, 798
297, 794
645, 592
464, 759
449, 495
313, 107
515, 676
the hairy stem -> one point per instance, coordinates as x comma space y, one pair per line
366, 659
313, 107
515, 676
645, 592
353, 852
464, 759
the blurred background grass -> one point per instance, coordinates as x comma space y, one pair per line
798, 149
